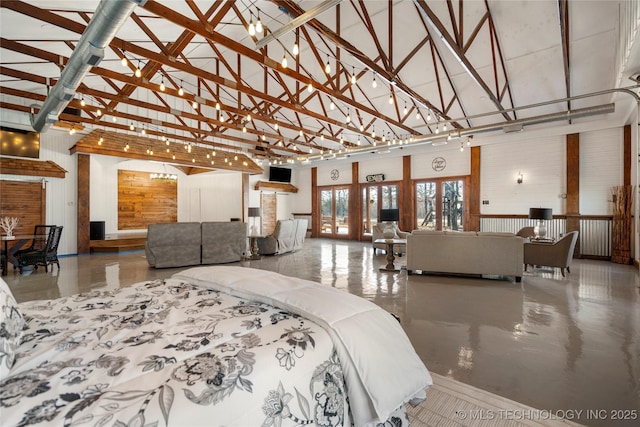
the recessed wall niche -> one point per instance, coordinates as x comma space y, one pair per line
143, 201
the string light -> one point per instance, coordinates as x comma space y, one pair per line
391, 98
444, 127
218, 106
373, 132
248, 117
259, 24
348, 118
405, 109
428, 116
82, 101
99, 112
131, 126
327, 68
309, 87
284, 61
194, 104
252, 28
418, 115
138, 73
275, 126
301, 133
124, 61
296, 49
353, 76
180, 91
162, 86
332, 105
374, 83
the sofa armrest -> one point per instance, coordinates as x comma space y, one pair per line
267, 245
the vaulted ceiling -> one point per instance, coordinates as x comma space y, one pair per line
365, 72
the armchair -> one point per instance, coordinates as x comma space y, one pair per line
558, 254
526, 232
44, 255
378, 233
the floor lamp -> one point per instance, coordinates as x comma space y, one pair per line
540, 214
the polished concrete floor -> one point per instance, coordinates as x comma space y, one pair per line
558, 344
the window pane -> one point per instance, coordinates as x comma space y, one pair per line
426, 205
342, 210
452, 204
326, 200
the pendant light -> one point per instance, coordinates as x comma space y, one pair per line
327, 68
259, 28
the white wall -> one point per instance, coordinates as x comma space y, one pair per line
601, 167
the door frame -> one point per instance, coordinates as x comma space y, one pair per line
466, 180
334, 234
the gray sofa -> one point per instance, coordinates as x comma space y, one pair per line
180, 244
469, 252
287, 236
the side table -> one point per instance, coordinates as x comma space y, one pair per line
253, 244
389, 244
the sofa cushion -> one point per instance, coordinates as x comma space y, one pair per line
11, 326
223, 241
173, 244
495, 234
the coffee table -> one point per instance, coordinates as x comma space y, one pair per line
389, 244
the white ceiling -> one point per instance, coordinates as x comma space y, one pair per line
517, 62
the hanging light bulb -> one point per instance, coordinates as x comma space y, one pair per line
252, 28
309, 87
373, 132
275, 126
405, 109
72, 130
162, 86
358, 142
143, 131
131, 127
327, 68
361, 127
428, 116
418, 115
348, 118
180, 91
244, 129
99, 112
444, 127
218, 106
138, 73
322, 137
194, 104
248, 117
114, 118
384, 138
259, 24
124, 61
100, 141
391, 98
82, 101
437, 128
301, 133
353, 76
374, 83
332, 105
222, 119
284, 61
263, 137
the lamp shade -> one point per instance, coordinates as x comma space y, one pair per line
540, 213
389, 215
254, 213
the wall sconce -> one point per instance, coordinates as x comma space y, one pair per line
519, 178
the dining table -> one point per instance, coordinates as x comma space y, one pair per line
19, 242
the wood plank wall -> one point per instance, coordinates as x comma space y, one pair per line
143, 201
25, 200
268, 203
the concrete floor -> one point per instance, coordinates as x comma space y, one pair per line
557, 344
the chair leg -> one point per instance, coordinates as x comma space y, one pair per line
562, 271
568, 270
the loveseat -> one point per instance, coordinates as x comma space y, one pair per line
287, 236
181, 244
465, 252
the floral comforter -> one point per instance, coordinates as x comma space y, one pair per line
171, 352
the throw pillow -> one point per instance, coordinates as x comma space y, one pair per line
11, 327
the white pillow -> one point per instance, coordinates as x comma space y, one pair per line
11, 327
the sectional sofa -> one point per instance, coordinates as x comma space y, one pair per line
465, 252
180, 244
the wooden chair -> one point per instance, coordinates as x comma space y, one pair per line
45, 255
558, 254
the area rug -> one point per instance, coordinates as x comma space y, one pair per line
451, 403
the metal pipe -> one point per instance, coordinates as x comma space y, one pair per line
107, 20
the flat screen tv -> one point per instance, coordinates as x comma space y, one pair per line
19, 143
277, 174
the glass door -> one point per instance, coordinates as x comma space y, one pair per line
440, 204
334, 212
374, 198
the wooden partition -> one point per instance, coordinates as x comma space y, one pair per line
24, 200
143, 201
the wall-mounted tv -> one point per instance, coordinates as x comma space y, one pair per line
277, 174
19, 143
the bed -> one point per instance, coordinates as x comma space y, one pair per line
220, 345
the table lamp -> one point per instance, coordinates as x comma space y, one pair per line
389, 216
254, 213
541, 214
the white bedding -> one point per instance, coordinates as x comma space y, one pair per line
382, 370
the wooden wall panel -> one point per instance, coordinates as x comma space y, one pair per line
268, 204
407, 203
473, 196
25, 200
84, 204
142, 201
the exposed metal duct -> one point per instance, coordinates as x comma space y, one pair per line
107, 20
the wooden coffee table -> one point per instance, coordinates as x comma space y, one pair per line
389, 244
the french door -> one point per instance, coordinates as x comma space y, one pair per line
374, 198
334, 212
440, 204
